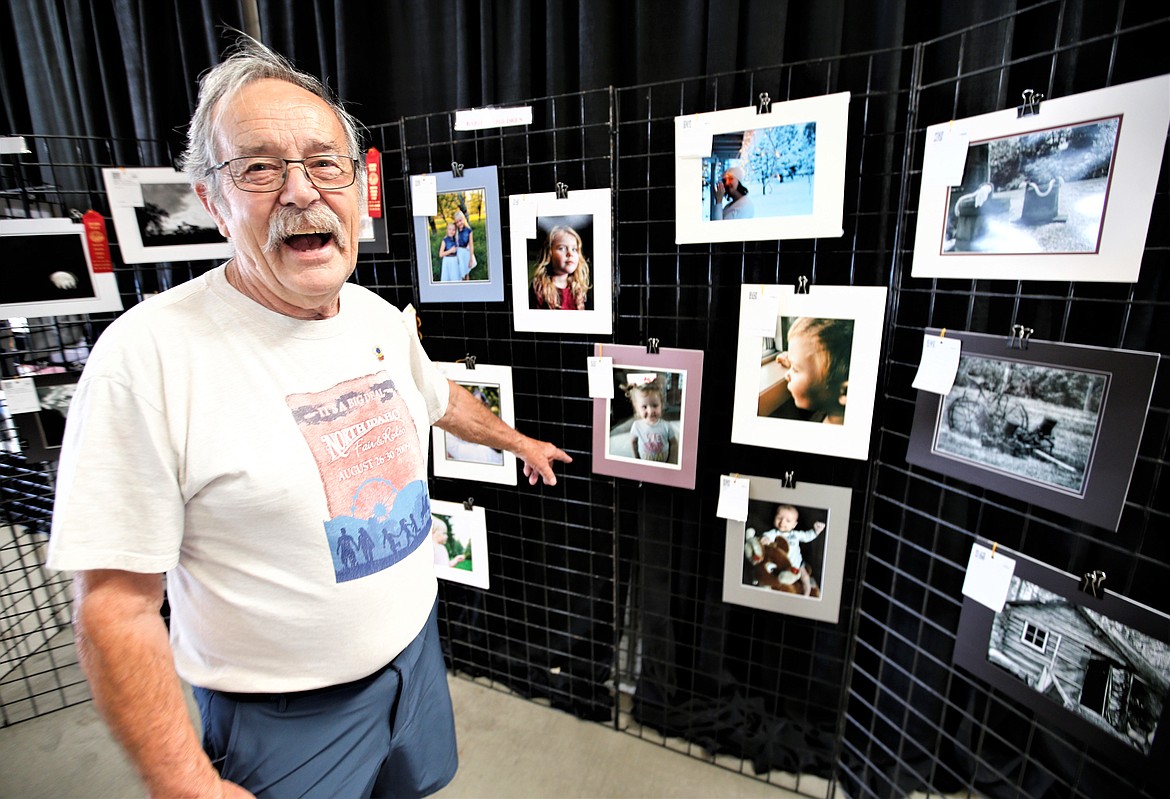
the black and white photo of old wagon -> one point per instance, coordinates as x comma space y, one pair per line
1035, 422
1110, 674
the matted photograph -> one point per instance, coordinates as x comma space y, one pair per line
40, 431
562, 273
1057, 425
459, 250
465, 460
789, 556
158, 217
459, 541
1097, 669
372, 234
649, 431
48, 271
741, 175
1064, 194
810, 385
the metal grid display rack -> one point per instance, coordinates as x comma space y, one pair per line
605, 598
913, 720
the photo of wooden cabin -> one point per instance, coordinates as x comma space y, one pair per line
1113, 676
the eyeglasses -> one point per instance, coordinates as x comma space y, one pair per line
268, 173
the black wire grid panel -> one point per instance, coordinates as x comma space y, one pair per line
606, 594
913, 720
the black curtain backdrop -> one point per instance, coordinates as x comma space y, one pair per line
128, 68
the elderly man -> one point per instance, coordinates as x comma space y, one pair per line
732, 187
258, 435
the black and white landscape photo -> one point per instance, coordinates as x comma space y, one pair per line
172, 215
1035, 422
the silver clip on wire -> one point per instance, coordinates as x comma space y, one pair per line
1020, 337
1031, 104
1094, 583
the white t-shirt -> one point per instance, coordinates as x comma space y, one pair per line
653, 439
275, 468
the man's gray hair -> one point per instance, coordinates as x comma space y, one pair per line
249, 61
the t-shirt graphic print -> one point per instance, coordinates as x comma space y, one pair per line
366, 448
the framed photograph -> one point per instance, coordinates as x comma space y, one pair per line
1064, 194
40, 412
741, 175
561, 261
1057, 425
789, 556
48, 272
372, 234
459, 539
649, 431
809, 385
459, 250
1096, 669
158, 217
454, 457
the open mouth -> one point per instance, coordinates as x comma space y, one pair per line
308, 242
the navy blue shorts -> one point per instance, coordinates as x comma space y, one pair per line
391, 734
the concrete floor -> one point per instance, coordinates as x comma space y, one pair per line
508, 747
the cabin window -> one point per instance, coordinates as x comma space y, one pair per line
1034, 636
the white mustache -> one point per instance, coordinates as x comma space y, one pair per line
287, 221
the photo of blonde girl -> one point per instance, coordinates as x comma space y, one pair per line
560, 278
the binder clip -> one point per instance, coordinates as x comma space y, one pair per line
652, 346
765, 106
1094, 583
790, 479
469, 503
469, 360
802, 285
1020, 336
456, 169
1031, 104
562, 190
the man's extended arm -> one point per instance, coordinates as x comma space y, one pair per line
470, 419
126, 655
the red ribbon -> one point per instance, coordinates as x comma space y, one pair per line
374, 183
97, 241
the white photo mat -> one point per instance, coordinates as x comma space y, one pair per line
1127, 194
453, 457
831, 115
834, 502
469, 529
865, 305
56, 282
584, 203
129, 189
